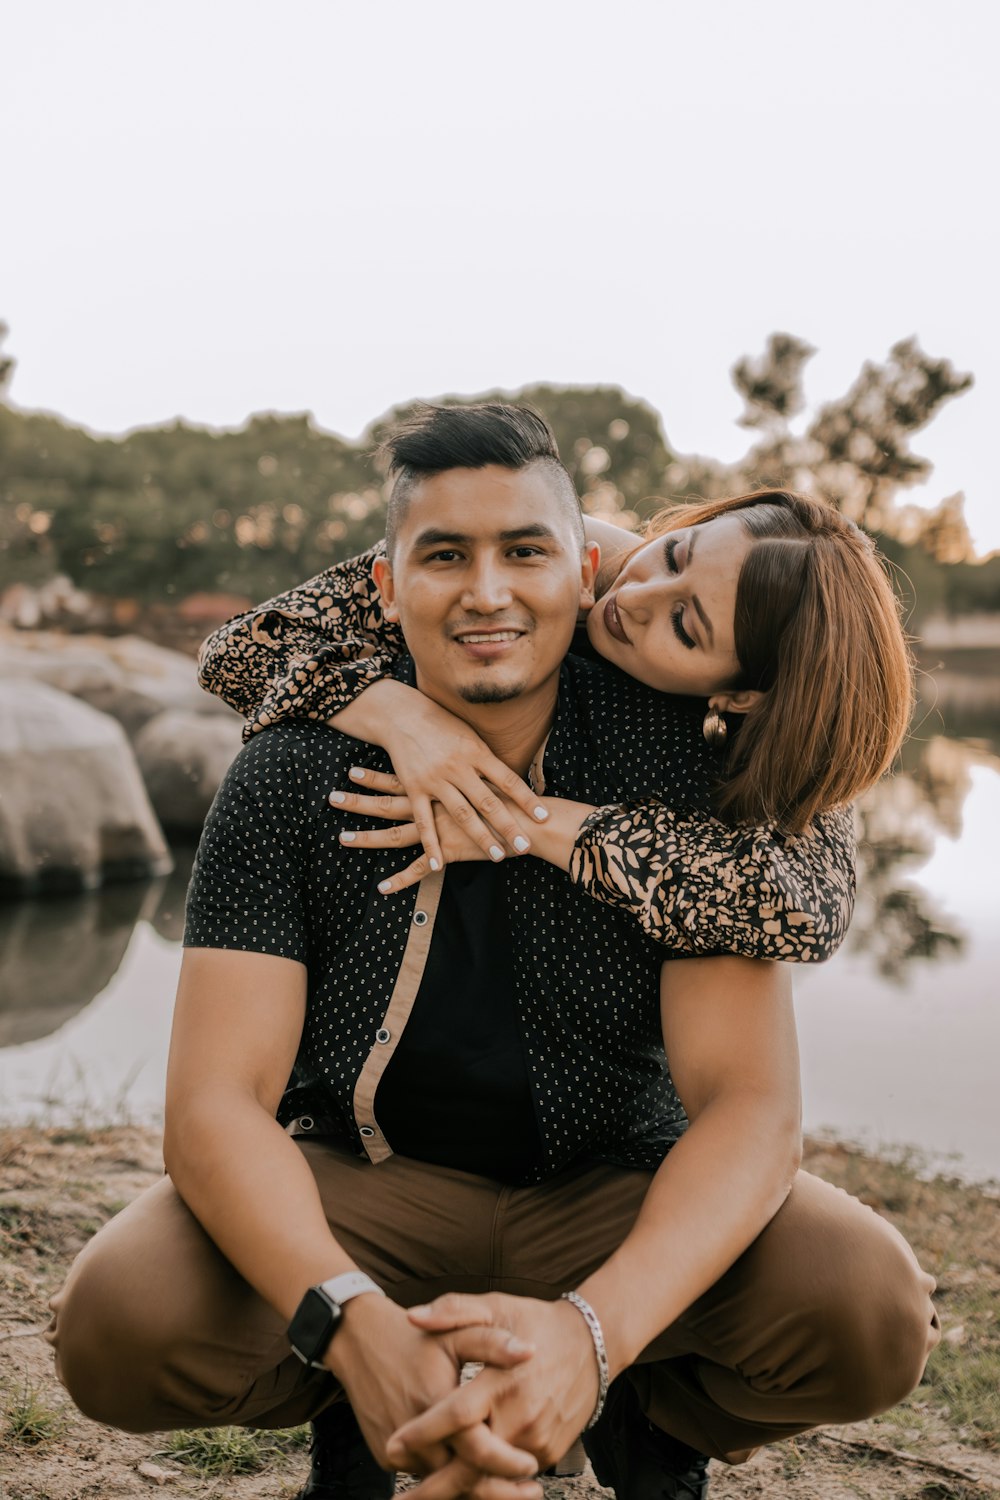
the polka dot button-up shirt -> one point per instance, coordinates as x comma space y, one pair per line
271, 876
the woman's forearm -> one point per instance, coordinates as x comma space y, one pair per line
375, 711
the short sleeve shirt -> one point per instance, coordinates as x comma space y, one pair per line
271, 876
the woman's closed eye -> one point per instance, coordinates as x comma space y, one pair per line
677, 620
669, 548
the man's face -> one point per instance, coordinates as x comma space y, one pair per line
486, 581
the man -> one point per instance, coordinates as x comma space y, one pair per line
473, 1079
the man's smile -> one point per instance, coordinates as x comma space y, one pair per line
486, 643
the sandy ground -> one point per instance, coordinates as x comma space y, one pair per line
58, 1187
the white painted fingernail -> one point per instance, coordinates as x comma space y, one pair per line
541, 813
347, 838
496, 852
435, 865
356, 773
385, 886
337, 796
521, 844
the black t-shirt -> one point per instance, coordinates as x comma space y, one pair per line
456, 1092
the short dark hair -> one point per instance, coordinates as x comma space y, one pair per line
434, 439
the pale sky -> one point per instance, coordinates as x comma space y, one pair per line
216, 207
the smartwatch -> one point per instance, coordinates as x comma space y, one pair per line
320, 1311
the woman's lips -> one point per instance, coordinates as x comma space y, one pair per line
612, 620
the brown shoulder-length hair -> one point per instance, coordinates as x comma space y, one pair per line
818, 630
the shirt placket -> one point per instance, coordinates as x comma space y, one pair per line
398, 1011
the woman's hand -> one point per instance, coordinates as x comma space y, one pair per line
553, 841
454, 844
442, 767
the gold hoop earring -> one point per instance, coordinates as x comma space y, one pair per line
714, 729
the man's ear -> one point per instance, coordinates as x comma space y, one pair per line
382, 574
590, 562
739, 702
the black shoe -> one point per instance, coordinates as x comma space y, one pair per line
636, 1459
342, 1464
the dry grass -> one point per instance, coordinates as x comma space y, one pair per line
58, 1186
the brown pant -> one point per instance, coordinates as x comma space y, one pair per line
825, 1318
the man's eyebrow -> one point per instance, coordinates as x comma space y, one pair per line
434, 538
692, 535
536, 530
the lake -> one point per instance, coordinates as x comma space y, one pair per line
900, 1032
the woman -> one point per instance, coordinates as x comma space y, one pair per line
771, 606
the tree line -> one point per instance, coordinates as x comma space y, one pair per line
170, 511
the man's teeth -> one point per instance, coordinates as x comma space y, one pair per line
489, 636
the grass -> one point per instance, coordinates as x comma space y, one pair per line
28, 1419
220, 1451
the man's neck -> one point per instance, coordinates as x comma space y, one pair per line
515, 729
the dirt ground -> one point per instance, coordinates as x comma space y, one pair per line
58, 1187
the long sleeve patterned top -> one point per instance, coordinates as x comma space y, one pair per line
695, 884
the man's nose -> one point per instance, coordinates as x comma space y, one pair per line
486, 590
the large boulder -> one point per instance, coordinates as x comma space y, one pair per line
73, 809
131, 679
183, 757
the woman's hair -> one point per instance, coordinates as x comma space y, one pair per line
818, 631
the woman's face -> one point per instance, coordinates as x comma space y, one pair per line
668, 617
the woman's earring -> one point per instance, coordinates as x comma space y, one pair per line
714, 729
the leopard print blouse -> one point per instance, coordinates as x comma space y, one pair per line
695, 884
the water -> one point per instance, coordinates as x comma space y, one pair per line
900, 1032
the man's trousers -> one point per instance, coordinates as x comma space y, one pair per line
825, 1318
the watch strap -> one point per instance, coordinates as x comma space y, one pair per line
341, 1289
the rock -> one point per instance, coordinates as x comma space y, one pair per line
183, 757
131, 679
159, 1473
73, 809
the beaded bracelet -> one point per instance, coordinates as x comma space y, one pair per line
597, 1334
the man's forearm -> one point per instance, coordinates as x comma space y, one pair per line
715, 1192
250, 1188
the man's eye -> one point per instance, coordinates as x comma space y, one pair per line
676, 619
526, 551
446, 554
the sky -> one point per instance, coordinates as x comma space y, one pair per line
217, 207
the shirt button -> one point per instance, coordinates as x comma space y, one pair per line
383, 1034
366, 1131
419, 918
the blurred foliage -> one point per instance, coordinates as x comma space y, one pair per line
167, 512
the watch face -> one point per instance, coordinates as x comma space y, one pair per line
313, 1326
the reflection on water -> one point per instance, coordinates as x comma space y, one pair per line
57, 955
899, 1031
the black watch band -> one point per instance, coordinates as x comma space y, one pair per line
319, 1313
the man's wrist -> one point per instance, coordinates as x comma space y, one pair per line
596, 1332
365, 1321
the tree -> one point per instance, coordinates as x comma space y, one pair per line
855, 449
6, 363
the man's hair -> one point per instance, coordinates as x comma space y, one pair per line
435, 439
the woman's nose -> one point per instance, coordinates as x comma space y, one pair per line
639, 599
